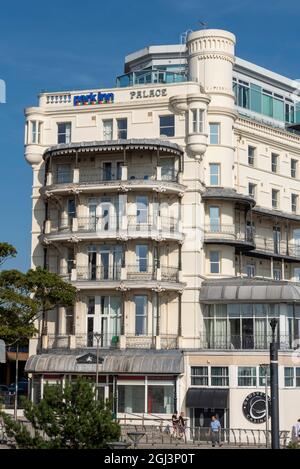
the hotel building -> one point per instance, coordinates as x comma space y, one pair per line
171, 202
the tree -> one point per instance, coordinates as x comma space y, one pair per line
68, 418
6, 251
18, 309
50, 291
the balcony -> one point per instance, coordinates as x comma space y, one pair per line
131, 276
146, 77
268, 247
114, 227
150, 272
98, 273
110, 341
243, 342
139, 177
121, 170
216, 233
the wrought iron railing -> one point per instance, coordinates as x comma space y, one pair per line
95, 273
84, 340
228, 231
282, 248
243, 341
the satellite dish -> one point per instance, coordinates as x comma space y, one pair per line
2, 352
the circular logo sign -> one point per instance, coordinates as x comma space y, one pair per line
254, 407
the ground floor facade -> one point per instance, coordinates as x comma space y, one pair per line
147, 386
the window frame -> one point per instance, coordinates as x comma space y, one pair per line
67, 133
276, 199
120, 136
214, 262
251, 158
161, 133
208, 375
218, 133
294, 170
294, 203
144, 315
111, 121
197, 118
274, 163
253, 377
254, 186
212, 175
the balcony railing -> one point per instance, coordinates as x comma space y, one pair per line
106, 340
228, 232
63, 177
109, 340
147, 342
243, 342
93, 175
94, 273
135, 173
143, 77
281, 248
138, 271
130, 224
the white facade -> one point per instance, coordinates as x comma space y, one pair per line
174, 210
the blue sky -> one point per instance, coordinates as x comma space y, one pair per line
72, 44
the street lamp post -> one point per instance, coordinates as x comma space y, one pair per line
97, 336
265, 367
274, 387
16, 383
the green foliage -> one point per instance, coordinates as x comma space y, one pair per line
293, 445
25, 297
6, 251
68, 418
49, 289
18, 309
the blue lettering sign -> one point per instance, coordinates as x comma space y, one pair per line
93, 98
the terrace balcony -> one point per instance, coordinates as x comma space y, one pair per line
132, 276
113, 227
109, 341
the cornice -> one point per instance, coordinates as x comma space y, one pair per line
284, 139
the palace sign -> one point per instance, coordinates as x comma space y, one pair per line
93, 98
160, 92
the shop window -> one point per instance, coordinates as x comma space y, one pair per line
160, 399
131, 398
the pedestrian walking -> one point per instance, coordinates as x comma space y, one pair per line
296, 432
215, 430
175, 424
181, 425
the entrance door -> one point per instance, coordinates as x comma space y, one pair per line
201, 418
104, 317
107, 215
247, 333
92, 267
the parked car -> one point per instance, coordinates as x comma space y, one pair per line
22, 387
